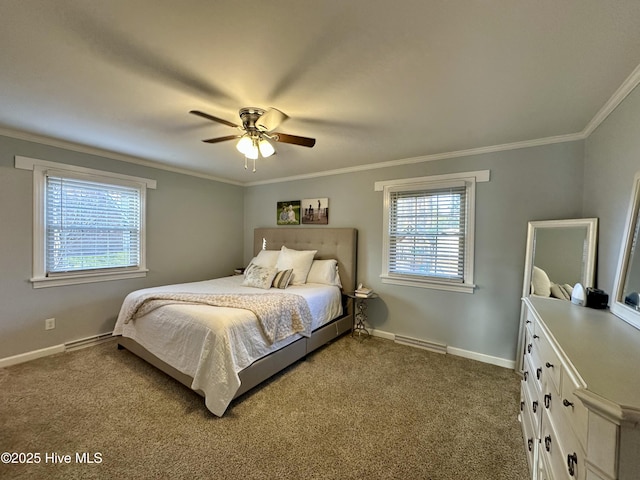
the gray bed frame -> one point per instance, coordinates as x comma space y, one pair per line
338, 243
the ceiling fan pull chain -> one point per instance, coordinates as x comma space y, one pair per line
254, 165
245, 162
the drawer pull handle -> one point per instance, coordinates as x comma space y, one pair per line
547, 443
547, 400
521, 406
535, 406
530, 444
528, 321
539, 372
572, 461
525, 375
529, 347
567, 403
535, 336
548, 365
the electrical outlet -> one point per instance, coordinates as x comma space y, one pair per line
50, 324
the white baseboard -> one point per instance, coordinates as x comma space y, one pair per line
45, 352
427, 345
382, 334
481, 357
28, 356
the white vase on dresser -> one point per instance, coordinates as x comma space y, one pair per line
580, 399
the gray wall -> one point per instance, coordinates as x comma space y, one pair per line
189, 237
612, 157
542, 183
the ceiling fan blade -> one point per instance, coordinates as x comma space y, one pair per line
221, 139
215, 119
270, 120
293, 139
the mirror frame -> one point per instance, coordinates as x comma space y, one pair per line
588, 273
618, 307
589, 268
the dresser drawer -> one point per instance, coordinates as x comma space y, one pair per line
532, 353
531, 395
528, 433
562, 451
549, 360
577, 416
530, 321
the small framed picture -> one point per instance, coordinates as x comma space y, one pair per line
288, 212
315, 211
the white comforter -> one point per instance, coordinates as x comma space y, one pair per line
213, 344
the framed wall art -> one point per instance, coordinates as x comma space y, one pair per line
315, 211
288, 213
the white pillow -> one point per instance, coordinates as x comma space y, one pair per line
266, 258
298, 260
325, 272
540, 283
259, 277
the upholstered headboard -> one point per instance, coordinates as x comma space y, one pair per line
338, 243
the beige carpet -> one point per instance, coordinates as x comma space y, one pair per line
353, 410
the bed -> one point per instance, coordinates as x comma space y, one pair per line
223, 351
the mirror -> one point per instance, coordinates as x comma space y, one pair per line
626, 289
565, 250
559, 254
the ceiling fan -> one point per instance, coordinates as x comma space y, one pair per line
257, 129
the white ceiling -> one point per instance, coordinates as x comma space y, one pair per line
373, 81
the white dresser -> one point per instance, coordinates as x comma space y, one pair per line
580, 399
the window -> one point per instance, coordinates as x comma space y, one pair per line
429, 231
88, 224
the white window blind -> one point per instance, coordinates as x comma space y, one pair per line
427, 232
90, 225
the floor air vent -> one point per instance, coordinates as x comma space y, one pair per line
424, 344
87, 342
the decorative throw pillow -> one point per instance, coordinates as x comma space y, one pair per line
325, 272
259, 277
282, 279
297, 260
558, 291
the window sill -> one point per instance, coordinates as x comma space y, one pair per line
58, 281
420, 283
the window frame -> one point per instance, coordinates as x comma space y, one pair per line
431, 183
39, 278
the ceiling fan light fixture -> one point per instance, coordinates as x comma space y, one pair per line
266, 149
258, 127
245, 145
252, 151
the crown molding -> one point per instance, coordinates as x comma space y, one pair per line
429, 158
616, 99
80, 148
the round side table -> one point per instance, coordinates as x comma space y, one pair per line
360, 314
